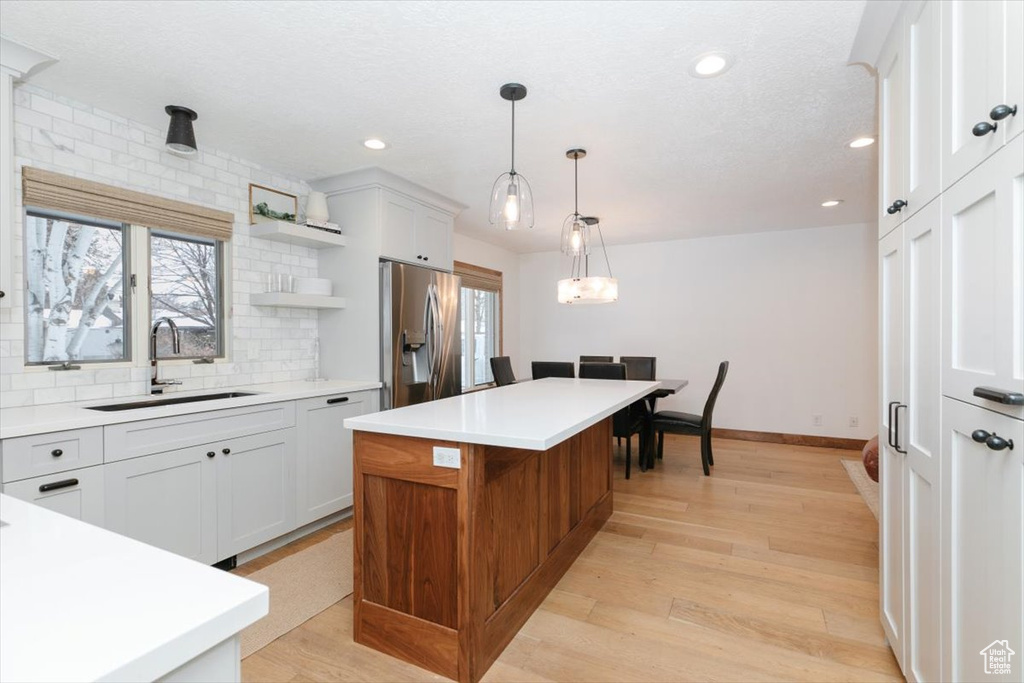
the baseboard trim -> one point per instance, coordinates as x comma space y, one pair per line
790, 439
281, 541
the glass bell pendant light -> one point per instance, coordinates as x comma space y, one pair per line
511, 197
583, 288
576, 231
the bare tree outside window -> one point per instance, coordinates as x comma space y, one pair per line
185, 287
75, 291
479, 336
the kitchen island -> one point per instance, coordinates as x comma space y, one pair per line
468, 510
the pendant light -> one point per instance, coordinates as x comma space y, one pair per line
583, 288
576, 231
511, 197
181, 139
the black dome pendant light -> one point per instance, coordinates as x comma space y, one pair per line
181, 139
511, 197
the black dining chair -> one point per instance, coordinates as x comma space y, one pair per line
546, 368
626, 422
501, 368
643, 368
696, 425
596, 359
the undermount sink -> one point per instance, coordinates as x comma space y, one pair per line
170, 401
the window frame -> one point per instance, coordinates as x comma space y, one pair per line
128, 307
478, 278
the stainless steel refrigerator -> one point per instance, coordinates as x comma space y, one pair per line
422, 355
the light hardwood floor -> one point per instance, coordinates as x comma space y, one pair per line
767, 570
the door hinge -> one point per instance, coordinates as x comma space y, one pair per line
134, 281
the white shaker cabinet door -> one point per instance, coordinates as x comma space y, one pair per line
983, 539
255, 490
890, 461
433, 237
75, 493
168, 500
983, 291
921, 46
920, 437
398, 227
892, 151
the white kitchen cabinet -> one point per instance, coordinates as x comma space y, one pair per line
983, 538
983, 295
76, 493
892, 149
168, 500
982, 67
39, 454
414, 232
255, 490
922, 104
324, 448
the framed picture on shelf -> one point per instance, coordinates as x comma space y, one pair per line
267, 204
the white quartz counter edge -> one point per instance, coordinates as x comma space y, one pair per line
80, 603
532, 415
55, 417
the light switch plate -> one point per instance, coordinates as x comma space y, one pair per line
447, 457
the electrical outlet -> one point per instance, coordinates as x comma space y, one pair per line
854, 421
447, 457
817, 420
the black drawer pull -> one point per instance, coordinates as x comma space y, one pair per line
340, 399
56, 452
226, 451
993, 440
63, 484
210, 454
1009, 398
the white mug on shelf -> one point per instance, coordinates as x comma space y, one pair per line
316, 207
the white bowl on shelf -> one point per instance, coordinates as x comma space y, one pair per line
320, 286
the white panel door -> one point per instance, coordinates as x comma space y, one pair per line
324, 467
255, 490
974, 78
921, 45
983, 293
983, 540
168, 500
433, 238
76, 493
920, 438
890, 461
892, 148
398, 227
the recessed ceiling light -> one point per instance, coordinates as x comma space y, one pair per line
375, 144
862, 142
710, 64
832, 202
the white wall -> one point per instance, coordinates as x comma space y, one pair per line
793, 312
267, 344
469, 250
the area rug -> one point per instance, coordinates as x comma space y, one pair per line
866, 486
301, 586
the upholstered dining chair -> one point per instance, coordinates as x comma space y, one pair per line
596, 359
546, 368
697, 425
626, 422
501, 368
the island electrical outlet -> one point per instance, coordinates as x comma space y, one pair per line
447, 457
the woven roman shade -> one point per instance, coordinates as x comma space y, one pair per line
476, 277
48, 190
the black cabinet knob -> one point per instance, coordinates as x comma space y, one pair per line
2, 294
980, 435
1001, 111
419, 256
426, 258
226, 451
210, 454
998, 443
56, 452
896, 207
984, 128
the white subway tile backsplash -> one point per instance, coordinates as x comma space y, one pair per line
267, 344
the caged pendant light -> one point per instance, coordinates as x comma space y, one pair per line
511, 197
581, 287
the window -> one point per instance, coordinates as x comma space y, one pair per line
76, 289
185, 287
481, 323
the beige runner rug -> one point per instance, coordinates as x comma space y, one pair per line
866, 486
301, 586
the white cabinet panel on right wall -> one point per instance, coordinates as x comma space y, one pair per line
983, 292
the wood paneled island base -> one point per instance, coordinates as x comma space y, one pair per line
450, 563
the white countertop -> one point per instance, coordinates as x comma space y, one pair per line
79, 603
55, 417
534, 415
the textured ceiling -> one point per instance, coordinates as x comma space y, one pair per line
297, 86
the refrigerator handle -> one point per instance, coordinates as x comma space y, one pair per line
436, 331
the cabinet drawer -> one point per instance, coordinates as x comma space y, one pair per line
39, 454
77, 494
134, 439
